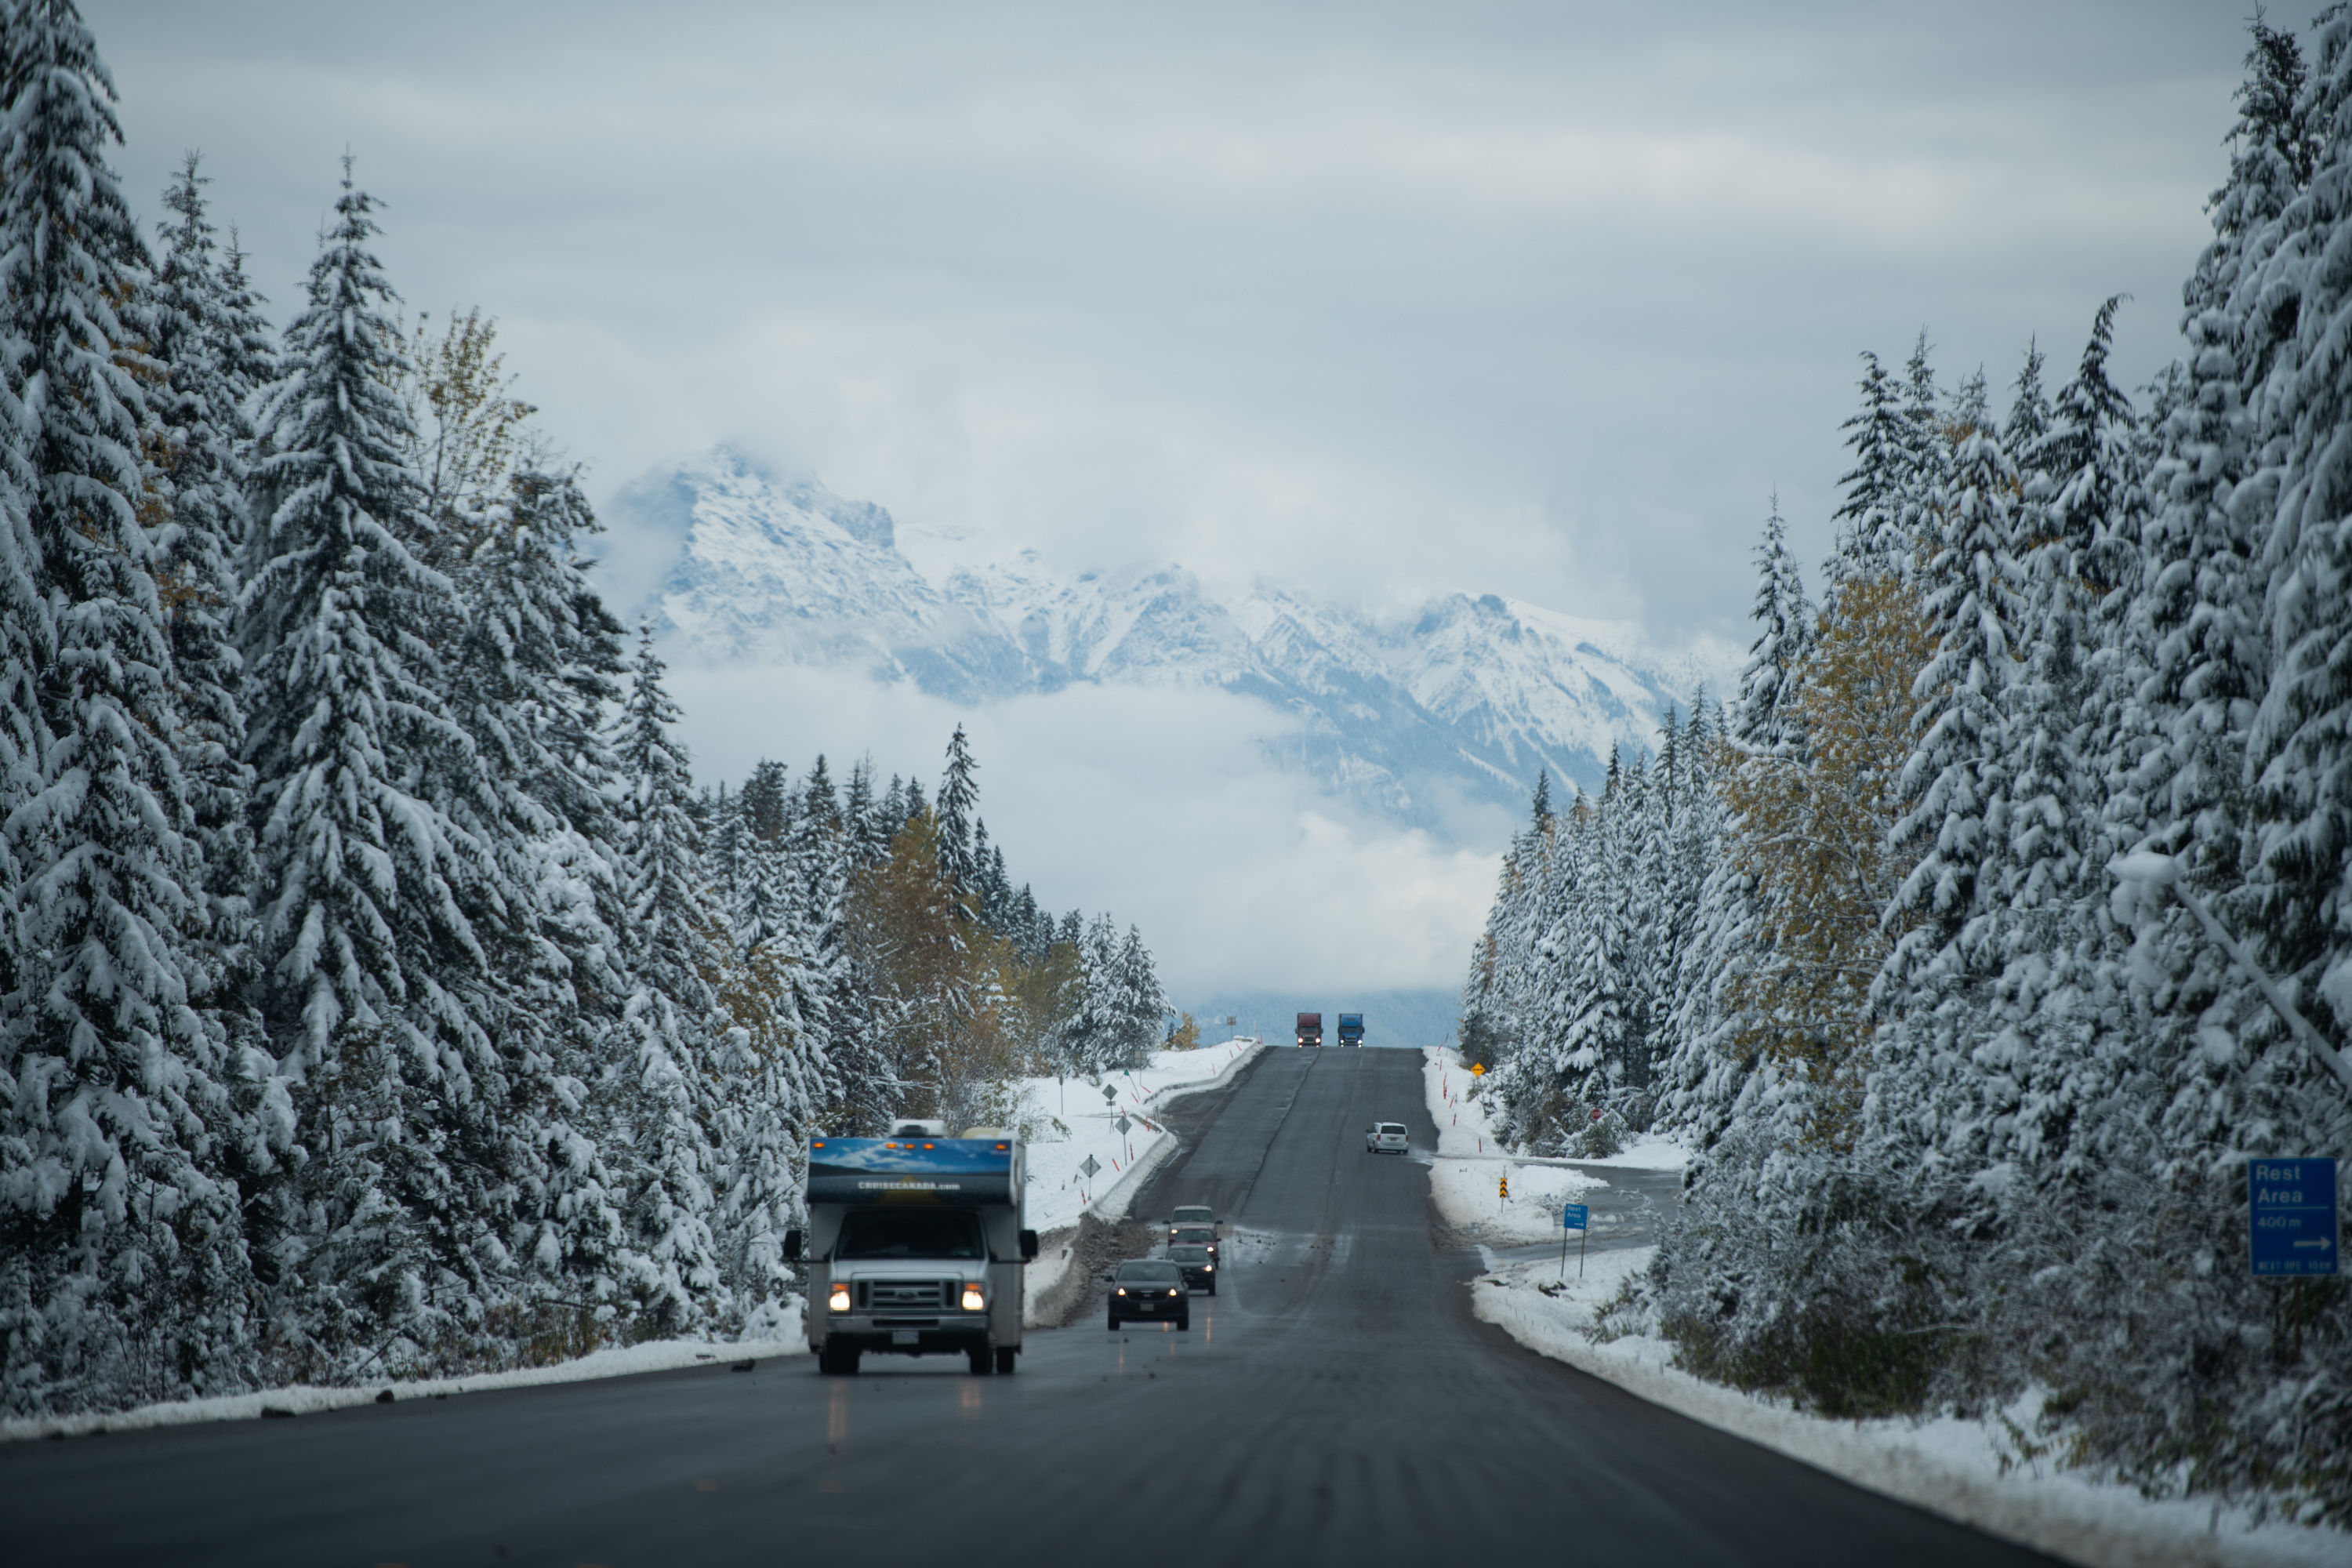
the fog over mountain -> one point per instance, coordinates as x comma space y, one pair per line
1438, 719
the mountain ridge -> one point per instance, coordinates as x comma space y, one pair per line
1462, 700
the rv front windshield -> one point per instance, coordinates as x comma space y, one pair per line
911, 1234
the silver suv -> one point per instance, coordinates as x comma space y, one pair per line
1387, 1138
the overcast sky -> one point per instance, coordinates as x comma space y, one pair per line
1537, 299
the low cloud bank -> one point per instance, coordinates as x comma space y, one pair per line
1157, 804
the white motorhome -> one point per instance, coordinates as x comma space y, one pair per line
915, 1245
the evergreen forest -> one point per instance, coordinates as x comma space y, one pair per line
380, 995
2005, 910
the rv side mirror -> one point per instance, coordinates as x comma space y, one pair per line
791, 1246
1028, 1247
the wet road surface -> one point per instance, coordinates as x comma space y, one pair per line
1335, 1402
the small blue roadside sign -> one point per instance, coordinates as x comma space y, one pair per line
2291, 1207
1573, 1218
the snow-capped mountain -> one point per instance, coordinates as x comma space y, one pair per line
1463, 700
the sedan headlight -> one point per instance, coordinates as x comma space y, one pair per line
1122, 1290
1208, 1268
973, 1301
839, 1300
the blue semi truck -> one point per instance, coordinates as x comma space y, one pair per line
1351, 1028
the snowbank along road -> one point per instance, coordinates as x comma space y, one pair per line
1335, 1403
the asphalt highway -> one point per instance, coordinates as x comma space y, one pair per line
1335, 1403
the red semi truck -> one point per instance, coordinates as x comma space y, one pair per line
1310, 1028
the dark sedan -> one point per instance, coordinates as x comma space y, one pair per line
1149, 1289
1199, 1265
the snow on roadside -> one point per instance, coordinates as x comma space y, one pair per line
303, 1399
1980, 1473
1058, 1194
1466, 1172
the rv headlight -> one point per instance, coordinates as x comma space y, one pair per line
973, 1301
839, 1300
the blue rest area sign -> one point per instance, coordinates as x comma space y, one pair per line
1573, 1218
2291, 1207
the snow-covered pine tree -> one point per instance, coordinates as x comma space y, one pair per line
532, 655
1097, 1015
372, 970
1784, 629
1141, 1003
1870, 521
2299, 748
123, 1270
958, 804
766, 799
869, 820
670, 942
1928, 452
1974, 602
2078, 542
200, 402
2200, 610
2028, 420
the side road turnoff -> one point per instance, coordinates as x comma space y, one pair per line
1336, 1402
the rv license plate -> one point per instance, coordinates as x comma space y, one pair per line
905, 1336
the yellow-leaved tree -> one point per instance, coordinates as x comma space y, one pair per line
1813, 828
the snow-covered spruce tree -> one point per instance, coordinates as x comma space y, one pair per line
1497, 1008
2050, 1060
397, 1233
2028, 420
2199, 607
1924, 476
1711, 1046
769, 1068
2299, 892
669, 941
867, 819
959, 799
1872, 521
123, 1270
1141, 1003
1708, 1050
529, 675
1488, 1034
1096, 1033
1975, 601
1784, 629
201, 399
862, 1019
